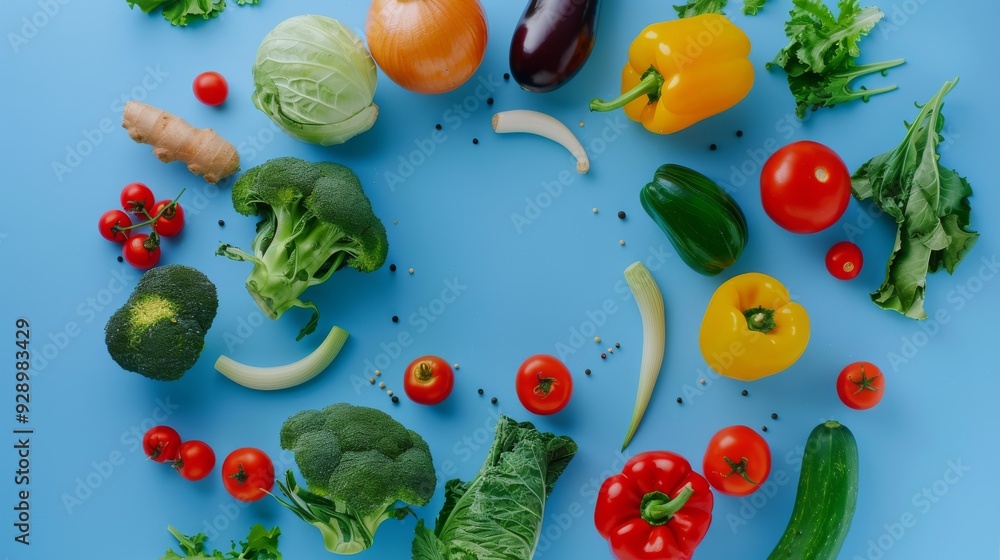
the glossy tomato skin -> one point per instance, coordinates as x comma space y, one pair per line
805, 187
136, 253
137, 197
248, 474
428, 380
861, 385
844, 260
171, 222
161, 444
737, 461
109, 221
195, 460
210, 88
544, 384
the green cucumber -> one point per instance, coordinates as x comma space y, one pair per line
826, 497
702, 222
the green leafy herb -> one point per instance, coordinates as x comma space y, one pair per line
178, 12
698, 7
930, 204
820, 57
261, 544
751, 7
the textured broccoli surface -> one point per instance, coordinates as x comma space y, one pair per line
160, 331
358, 464
315, 220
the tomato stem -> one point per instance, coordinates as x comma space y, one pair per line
167, 210
544, 387
657, 508
424, 372
739, 468
760, 319
240, 476
865, 383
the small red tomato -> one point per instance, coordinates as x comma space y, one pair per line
248, 474
428, 380
161, 443
805, 187
861, 385
737, 461
111, 223
844, 260
142, 251
137, 198
544, 384
195, 460
210, 88
171, 220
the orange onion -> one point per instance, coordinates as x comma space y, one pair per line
427, 46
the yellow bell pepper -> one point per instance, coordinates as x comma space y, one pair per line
752, 329
682, 71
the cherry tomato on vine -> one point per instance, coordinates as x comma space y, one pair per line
210, 88
142, 251
844, 260
110, 221
805, 187
195, 460
428, 380
544, 384
248, 474
171, 222
737, 461
161, 444
861, 385
137, 197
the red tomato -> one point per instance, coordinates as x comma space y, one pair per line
737, 461
210, 88
248, 474
161, 443
861, 385
137, 197
428, 380
110, 222
195, 460
142, 251
805, 187
544, 384
844, 260
171, 221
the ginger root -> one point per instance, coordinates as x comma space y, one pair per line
173, 139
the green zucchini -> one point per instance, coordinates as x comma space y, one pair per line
826, 497
703, 223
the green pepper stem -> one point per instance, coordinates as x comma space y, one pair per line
657, 508
650, 85
760, 319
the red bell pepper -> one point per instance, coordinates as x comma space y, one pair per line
656, 509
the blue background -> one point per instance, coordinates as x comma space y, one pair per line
928, 451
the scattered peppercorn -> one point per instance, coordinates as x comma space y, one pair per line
621, 214
493, 400
489, 100
739, 133
618, 345
222, 223
587, 371
764, 428
381, 385
680, 400
621, 241
475, 140
480, 391
603, 356
610, 351
392, 268
506, 76
595, 210
410, 270
389, 392
395, 318
702, 381
455, 365
121, 259
745, 392
437, 126
713, 147
774, 416
371, 380
378, 372
395, 399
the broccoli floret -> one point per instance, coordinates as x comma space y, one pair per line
315, 220
160, 331
361, 467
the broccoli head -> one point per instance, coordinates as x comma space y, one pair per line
314, 220
358, 464
160, 331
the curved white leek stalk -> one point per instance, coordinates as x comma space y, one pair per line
533, 122
288, 375
654, 330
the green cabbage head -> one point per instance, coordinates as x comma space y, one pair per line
316, 79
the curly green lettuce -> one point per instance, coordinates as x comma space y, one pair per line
698, 7
178, 12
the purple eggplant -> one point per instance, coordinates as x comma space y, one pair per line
552, 41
